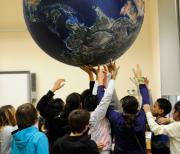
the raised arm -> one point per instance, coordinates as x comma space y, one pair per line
169, 130
89, 71
101, 109
142, 83
42, 105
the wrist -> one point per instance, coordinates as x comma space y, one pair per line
140, 80
101, 83
53, 90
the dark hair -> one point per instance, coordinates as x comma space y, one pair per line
90, 103
165, 105
55, 106
85, 93
177, 107
73, 101
7, 116
26, 115
78, 119
130, 108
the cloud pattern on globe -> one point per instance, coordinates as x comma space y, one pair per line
83, 32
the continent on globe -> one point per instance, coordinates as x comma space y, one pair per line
83, 32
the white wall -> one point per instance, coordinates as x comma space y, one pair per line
18, 52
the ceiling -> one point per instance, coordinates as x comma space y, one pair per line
11, 15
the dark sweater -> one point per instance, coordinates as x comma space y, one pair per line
129, 141
75, 145
160, 144
57, 126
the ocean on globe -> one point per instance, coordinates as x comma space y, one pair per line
84, 32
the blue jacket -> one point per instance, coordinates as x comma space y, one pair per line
29, 141
129, 141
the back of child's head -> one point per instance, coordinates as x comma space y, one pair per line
85, 93
90, 103
7, 116
56, 106
129, 104
130, 107
165, 105
26, 115
78, 120
73, 101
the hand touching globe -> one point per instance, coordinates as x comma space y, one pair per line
83, 32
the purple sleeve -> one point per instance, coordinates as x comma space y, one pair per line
113, 116
144, 93
100, 93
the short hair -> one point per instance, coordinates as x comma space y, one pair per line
26, 115
85, 93
90, 103
73, 101
55, 106
78, 119
165, 105
7, 116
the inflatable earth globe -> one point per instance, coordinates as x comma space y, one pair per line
84, 32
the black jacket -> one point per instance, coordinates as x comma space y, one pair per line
56, 124
75, 145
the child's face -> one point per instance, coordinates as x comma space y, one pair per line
156, 110
176, 115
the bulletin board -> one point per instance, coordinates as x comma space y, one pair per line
15, 88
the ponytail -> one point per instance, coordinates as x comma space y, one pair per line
130, 108
129, 120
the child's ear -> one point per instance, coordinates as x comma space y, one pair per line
161, 112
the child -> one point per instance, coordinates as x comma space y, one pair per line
7, 126
52, 110
76, 142
172, 130
129, 126
100, 127
160, 143
28, 139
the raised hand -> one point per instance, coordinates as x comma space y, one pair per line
137, 71
100, 75
58, 84
114, 70
89, 71
110, 66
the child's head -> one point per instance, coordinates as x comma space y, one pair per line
130, 108
56, 105
79, 121
85, 93
176, 111
26, 115
73, 101
129, 104
161, 107
7, 116
90, 103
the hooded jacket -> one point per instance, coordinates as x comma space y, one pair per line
29, 141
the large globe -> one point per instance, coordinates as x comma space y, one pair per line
83, 32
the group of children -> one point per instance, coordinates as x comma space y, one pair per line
90, 122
